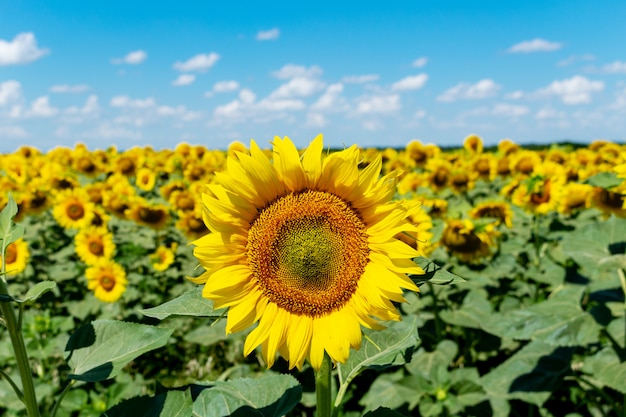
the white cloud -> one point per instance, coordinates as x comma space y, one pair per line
378, 104
482, 89
271, 104
12, 132
247, 96
199, 62
575, 90
315, 120
132, 58
549, 113
184, 79
298, 87
125, 101
420, 62
420, 114
108, 131
617, 67
509, 110
292, 71
10, 92
331, 99
515, 95
21, 50
180, 111
535, 45
41, 108
268, 35
225, 86
65, 88
360, 79
91, 107
410, 83
575, 58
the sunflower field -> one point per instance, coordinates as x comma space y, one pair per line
464, 281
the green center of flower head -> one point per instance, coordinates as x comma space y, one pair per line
308, 254
307, 251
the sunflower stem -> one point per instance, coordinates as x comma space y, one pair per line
323, 388
21, 357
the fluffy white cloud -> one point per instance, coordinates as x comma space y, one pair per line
184, 79
378, 104
132, 58
360, 79
268, 35
108, 131
225, 86
515, 95
12, 132
617, 67
65, 88
420, 62
575, 90
273, 104
247, 96
315, 120
199, 62
298, 87
292, 71
125, 101
413, 82
549, 113
41, 108
10, 92
91, 107
482, 89
331, 99
535, 45
179, 111
21, 50
575, 58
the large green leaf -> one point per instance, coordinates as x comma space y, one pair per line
607, 369
434, 274
168, 404
384, 348
9, 231
530, 375
394, 390
38, 289
558, 321
475, 311
383, 412
191, 303
100, 349
426, 363
604, 180
593, 245
269, 396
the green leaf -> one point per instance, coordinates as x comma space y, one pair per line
191, 303
434, 273
100, 349
269, 396
385, 348
605, 180
168, 404
473, 313
607, 369
387, 391
427, 363
530, 375
558, 321
383, 412
38, 289
9, 231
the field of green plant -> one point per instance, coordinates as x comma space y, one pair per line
521, 310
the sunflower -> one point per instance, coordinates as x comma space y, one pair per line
94, 243
146, 179
609, 202
163, 256
16, 257
305, 247
498, 210
541, 192
191, 224
575, 197
148, 214
466, 241
473, 144
420, 239
107, 280
73, 209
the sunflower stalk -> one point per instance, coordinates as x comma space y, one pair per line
323, 388
21, 357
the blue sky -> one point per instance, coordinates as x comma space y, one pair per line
379, 74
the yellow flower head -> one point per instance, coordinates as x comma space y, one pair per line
107, 280
73, 209
467, 242
163, 257
93, 244
16, 257
305, 247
